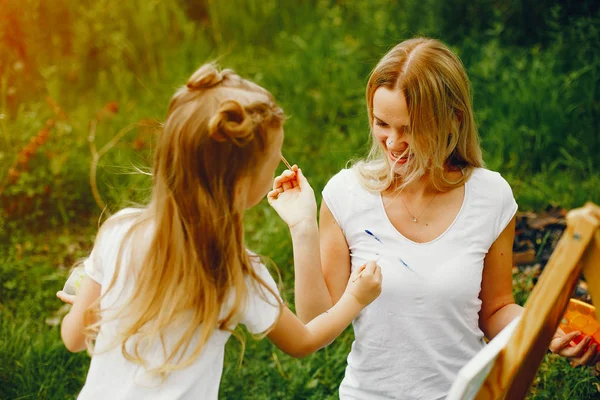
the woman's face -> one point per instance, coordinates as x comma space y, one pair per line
261, 182
391, 125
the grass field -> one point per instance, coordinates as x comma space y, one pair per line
70, 69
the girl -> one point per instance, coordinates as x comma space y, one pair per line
441, 225
167, 284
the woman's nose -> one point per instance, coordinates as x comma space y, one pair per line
394, 137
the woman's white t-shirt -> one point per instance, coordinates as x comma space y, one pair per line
111, 376
413, 339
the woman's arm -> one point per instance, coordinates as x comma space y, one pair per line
498, 306
73, 324
298, 340
293, 199
335, 254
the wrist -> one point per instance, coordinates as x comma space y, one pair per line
307, 226
350, 300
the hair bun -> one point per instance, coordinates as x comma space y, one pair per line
232, 122
207, 76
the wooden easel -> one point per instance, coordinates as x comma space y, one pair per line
577, 251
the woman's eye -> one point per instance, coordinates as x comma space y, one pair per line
380, 123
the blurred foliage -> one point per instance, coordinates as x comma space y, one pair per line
65, 65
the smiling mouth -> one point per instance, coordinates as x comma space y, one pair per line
399, 157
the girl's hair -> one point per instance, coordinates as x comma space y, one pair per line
194, 261
442, 126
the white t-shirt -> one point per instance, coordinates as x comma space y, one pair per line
413, 339
113, 377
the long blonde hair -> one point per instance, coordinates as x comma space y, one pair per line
442, 126
217, 131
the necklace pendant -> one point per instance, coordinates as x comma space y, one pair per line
414, 219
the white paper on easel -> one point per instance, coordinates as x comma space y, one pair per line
471, 376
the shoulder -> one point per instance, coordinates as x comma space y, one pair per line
344, 178
263, 303
259, 268
493, 196
490, 182
115, 226
343, 184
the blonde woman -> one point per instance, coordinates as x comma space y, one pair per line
439, 223
167, 284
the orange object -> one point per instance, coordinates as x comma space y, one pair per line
581, 316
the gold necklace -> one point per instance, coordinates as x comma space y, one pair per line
416, 219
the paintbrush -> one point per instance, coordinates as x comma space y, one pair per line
287, 164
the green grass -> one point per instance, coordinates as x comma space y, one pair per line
537, 105
36, 364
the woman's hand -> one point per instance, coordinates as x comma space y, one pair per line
579, 354
365, 283
293, 197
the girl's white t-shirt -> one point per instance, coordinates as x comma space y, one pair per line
413, 339
111, 376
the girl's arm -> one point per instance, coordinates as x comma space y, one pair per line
311, 294
294, 200
73, 324
291, 336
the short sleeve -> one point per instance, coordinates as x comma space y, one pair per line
335, 195
262, 306
107, 242
93, 267
509, 207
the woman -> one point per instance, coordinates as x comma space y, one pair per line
440, 225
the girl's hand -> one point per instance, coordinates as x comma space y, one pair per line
293, 198
365, 283
64, 296
580, 354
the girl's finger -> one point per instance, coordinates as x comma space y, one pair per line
65, 297
294, 181
371, 267
302, 181
378, 274
277, 181
357, 272
285, 176
287, 185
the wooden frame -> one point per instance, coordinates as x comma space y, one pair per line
577, 251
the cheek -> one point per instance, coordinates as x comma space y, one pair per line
379, 134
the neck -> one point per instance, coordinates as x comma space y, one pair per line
421, 188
